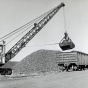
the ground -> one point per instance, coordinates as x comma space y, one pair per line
76, 79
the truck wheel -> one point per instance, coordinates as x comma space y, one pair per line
3, 73
9, 72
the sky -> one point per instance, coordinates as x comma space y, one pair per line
15, 13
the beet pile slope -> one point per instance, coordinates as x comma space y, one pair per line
39, 61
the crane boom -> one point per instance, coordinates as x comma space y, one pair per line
27, 37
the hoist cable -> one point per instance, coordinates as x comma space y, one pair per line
15, 31
33, 21
18, 35
23, 31
64, 20
42, 45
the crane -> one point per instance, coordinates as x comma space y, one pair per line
25, 39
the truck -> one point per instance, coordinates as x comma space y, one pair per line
74, 60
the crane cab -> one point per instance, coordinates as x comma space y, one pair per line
2, 52
66, 43
1, 49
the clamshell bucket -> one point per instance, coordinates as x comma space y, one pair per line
66, 43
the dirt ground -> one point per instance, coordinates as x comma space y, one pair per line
76, 79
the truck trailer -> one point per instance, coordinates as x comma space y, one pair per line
74, 60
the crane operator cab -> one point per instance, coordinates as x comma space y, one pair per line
66, 43
2, 52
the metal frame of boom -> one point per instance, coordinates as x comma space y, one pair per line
27, 37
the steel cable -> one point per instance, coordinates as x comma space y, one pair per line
24, 26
